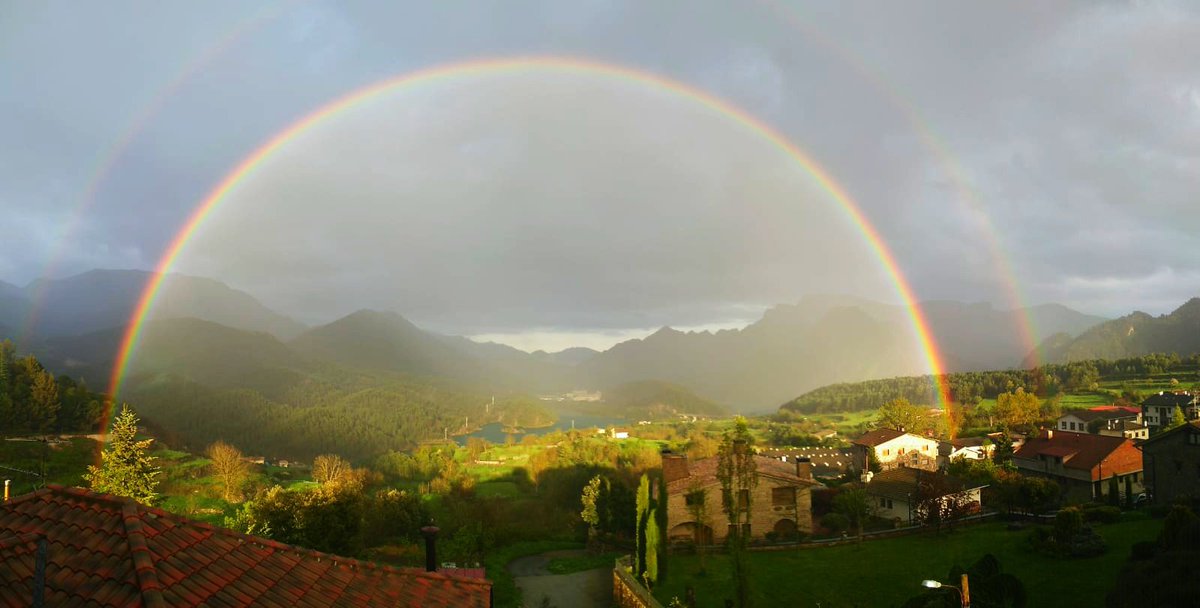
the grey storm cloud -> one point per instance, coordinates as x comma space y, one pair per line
1067, 134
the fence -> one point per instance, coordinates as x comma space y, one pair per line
627, 592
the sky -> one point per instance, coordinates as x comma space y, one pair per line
1014, 153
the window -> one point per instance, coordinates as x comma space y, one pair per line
886, 452
885, 503
1194, 438
743, 499
782, 497
900, 452
925, 448
694, 498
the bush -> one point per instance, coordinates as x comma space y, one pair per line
1103, 515
1143, 550
1067, 524
835, 522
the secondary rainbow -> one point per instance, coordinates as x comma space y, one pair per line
882, 83
143, 118
518, 64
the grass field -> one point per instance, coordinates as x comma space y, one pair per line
1084, 400
65, 462
888, 572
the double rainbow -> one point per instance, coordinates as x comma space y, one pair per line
251, 163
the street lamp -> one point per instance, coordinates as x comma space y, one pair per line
964, 592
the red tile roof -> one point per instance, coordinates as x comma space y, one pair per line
110, 551
1085, 452
878, 437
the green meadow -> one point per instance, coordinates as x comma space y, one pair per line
887, 572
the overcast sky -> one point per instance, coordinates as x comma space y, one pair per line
1006, 152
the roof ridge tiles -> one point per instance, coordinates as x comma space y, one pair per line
143, 562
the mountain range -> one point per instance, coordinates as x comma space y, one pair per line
1129, 336
211, 333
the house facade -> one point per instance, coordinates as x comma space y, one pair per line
893, 448
1087, 467
1157, 410
1095, 419
780, 503
1172, 463
969, 448
1127, 428
897, 493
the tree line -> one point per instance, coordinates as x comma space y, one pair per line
972, 387
34, 401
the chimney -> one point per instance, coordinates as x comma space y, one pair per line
674, 466
1049, 433
6, 482
430, 534
804, 468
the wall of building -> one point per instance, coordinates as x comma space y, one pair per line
764, 514
908, 450
1172, 468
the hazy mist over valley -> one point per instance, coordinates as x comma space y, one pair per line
600, 303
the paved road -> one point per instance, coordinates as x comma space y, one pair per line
587, 589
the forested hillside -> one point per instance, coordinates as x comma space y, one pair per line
33, 400
358, 416
1130, 336
195, 381
655, 399
971, 387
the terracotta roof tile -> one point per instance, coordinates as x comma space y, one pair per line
109, 551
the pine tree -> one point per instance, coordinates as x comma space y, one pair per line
126, 468
46, 402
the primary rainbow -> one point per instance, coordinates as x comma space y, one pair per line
516, 64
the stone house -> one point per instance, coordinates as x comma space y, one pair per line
1172, 463
893, 448
780, 503
827, 463
1085, 466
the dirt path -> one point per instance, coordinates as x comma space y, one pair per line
587, 589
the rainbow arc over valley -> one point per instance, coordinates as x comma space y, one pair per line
551, 64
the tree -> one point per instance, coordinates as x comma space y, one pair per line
736, 470
1003, 453
696, 501
126, 468
856, 506
1177, 419
330, 469
231, 469
1018, 409
643, 511
653, 540
590, 514
900, 414
45, 401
